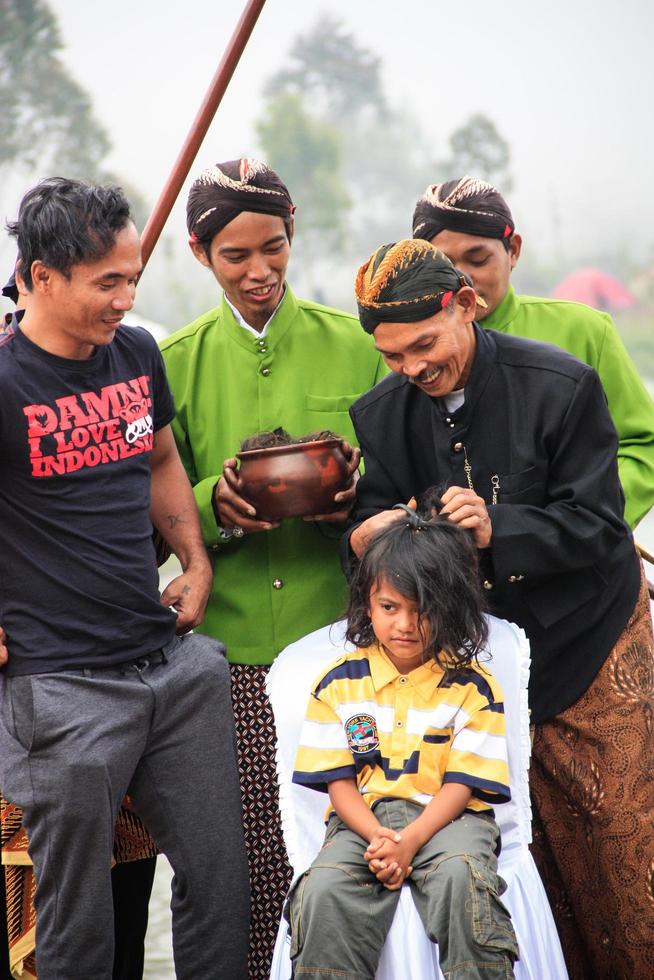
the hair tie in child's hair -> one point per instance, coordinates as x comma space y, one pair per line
416, 522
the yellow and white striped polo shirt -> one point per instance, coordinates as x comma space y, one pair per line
404, 735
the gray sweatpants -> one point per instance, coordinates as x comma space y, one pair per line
340, 914
72, 744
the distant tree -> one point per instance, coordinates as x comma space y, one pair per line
478, 149
386, 168
47, 117
333, 72
48, 126
368, 155
307, 154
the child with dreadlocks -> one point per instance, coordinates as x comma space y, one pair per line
406, 734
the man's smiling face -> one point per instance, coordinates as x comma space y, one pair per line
86, 305
249, 257
435, 354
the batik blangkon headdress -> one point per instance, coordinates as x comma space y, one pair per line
225, 190
467, 205
404, 282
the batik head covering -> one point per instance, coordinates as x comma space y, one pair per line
223, 191
404, 282
468, 204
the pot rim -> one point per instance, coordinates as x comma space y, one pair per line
290, 448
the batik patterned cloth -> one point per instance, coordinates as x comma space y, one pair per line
225, 190
592, 789
467, 205
404, 282
270, 873
131, 843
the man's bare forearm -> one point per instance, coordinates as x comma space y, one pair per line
173, 510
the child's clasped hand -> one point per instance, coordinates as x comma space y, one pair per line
389, 857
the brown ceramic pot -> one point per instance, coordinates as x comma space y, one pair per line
293, 481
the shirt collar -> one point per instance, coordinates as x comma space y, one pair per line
502, 316
276, 327
455, 399
422, 679
243, 323
482, 365
10, 321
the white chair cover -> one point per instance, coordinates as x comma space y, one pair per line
408, 954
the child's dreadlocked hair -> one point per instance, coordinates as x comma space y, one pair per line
433, 563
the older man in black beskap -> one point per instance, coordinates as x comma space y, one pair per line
471, 222
519, 436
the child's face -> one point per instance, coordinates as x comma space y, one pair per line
398, 626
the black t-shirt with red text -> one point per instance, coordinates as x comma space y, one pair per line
78, 577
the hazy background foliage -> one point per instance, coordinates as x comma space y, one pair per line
359, 106
326, 114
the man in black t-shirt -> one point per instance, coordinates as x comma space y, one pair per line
132, 876
103, 693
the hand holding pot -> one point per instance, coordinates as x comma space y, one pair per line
231, 508
345, 498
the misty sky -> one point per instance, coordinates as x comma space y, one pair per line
569, 85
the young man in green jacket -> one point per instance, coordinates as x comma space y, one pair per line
259, 360
470, 221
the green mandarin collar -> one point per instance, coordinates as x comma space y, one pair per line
501, 317
276, 328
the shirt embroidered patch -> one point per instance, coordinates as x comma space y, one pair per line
361, 731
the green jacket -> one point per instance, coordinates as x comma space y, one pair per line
592, 337
314, 362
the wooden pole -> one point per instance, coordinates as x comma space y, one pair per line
199, 128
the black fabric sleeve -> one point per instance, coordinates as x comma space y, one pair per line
580, 523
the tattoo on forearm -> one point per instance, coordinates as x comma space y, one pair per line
186, 589
175, 519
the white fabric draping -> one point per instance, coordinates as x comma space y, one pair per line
408, 954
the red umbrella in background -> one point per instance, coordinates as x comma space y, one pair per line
595, 288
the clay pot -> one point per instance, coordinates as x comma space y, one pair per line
293, 481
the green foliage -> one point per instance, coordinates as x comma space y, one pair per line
332, 71
478, 149
47, 118
351, 159
48, 122
306, 152
385, 169
329, 131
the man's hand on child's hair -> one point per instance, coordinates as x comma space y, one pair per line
364, 532
464, 507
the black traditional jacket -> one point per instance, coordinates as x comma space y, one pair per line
534, 426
